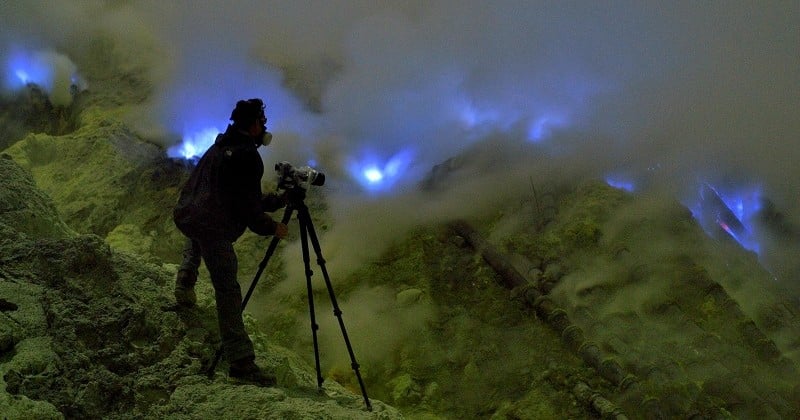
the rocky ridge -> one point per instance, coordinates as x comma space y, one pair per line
86, 332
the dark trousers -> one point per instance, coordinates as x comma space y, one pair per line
222, 265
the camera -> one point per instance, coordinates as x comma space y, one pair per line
290, 177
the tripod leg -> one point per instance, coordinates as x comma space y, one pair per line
309, 273
307, 226
287, 215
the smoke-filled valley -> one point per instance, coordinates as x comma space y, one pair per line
530, 210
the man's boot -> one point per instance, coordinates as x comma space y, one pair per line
246, 371
184, 288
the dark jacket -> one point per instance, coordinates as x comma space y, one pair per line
223, 194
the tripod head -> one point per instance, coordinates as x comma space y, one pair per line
295, 197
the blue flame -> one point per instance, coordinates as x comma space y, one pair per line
194, 144
745, 203
373, 175
23, 68
378, 175
732, 210
620, 183
472, 117
543, 126
23, 76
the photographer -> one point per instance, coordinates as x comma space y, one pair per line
220, 200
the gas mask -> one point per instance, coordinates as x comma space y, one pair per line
266, 138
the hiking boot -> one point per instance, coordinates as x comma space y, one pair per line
247, 372
184, 289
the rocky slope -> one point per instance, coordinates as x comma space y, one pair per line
87, 332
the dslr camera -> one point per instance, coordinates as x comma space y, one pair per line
290, 177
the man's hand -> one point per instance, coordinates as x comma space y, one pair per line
274, 201
281, 230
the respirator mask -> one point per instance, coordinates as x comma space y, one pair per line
266, 138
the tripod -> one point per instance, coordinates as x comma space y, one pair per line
296, 196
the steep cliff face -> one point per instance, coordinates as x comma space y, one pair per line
87, 332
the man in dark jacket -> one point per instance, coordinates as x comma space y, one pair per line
220, 200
